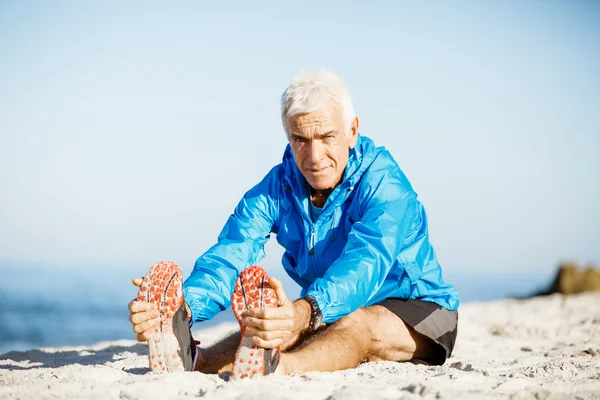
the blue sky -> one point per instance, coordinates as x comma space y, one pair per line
130, 130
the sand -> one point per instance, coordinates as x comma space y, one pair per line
542, 348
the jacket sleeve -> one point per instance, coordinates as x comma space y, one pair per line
240, 244
389, 208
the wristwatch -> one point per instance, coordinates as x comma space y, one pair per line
316, 317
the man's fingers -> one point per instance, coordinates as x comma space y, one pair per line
139, 306
267, 335
144, 326
282, 298
269, 324
143, 315
137, 281
138, 318
143, 337
272, 313
266, 344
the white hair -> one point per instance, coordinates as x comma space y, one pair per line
309, 90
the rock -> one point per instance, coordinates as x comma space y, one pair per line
590, 351
571, 279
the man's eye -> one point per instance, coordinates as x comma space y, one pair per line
299, 140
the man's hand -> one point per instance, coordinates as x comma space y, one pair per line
142, 315
278, 327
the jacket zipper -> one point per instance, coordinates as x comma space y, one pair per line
351, 188
311, 244
313, 225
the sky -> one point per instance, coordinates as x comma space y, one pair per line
130, 130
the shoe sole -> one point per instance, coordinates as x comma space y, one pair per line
252, 291
162, 286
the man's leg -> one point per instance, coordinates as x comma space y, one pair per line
219, 357
368, 334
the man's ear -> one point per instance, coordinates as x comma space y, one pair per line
354, 132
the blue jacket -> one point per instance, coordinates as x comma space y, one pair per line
369, 243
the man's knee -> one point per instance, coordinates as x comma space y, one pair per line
389, 338
362, 324
382, 333
354, 320
393, 339
364, 318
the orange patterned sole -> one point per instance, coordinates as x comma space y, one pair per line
252, 291
162, 286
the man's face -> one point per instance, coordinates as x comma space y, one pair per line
320, 143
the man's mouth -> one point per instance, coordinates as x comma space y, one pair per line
316, 171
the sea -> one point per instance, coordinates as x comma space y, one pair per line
45, 305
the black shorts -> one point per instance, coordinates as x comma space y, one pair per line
430, 320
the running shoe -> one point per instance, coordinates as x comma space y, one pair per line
171, 347
252, 291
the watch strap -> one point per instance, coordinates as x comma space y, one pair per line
315, 313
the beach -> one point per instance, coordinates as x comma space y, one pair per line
540, 348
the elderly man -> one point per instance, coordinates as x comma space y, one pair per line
355, 239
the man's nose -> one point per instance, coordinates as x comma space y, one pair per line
315, 152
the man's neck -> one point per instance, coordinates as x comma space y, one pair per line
319, 197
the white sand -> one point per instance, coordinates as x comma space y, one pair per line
544, 348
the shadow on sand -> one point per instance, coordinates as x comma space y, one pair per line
42, 359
